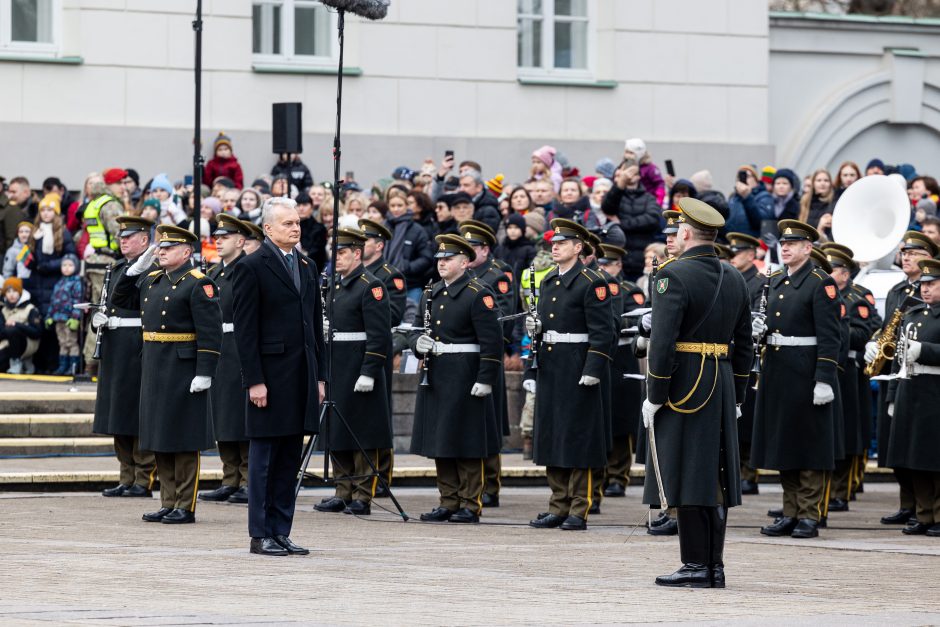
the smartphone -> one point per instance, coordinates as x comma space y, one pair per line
670, 170
350, 176
448, 154
188, 180
742, 176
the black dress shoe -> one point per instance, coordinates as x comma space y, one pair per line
806, 528
783, 526
615, 490
749, 487
464, 515
290, 547
266, 546
838, 505
668, 528
689, 576
916, 529
547, 521
595, 508
438, 514
381, 492
934, 531
239, 496
179, 517
359, 508
334, 504
718, 576
662, 519
158, 515
574, 523
138, 491
823, 522
117, 490
219, 494
490, 500
899, 517
775, 513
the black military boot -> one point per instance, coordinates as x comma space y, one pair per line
718, 522
694, 550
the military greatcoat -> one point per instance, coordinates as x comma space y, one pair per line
227, 394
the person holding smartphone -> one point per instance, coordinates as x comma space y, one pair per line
749, 204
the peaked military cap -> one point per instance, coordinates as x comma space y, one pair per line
842, 248
672, 222
820, 258
610, 253
477, 223
370, 228
227, 224
723, 252
930, 269
253, 230
169, 235
700, 214
348, 237
449, 245
838, 259
742, 241
568, 229
131, 224
915, 240
794, 230
476, 235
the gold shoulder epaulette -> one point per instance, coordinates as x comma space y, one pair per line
363, 278
820, 274
773, 274
154, 273
475, 285
197, 273
667, 262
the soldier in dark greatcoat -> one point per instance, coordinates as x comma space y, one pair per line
915, 424
700, 353
456, 421
182, 332
362, 341
227, 395
795, 420
117, 404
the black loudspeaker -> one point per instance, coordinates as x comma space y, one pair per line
286, 132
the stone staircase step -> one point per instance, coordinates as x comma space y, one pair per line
45, 425
36, 402
56, 446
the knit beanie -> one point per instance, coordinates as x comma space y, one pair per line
605, 167
518, 220
221, 140
637, 146
928, 206
151, 202
213, 203
52, 201
535, 221
70, 257
495, 184
875, 163
754, 172
545, 154
14, 283
161, 181
767, 174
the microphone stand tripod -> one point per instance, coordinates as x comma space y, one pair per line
329, 407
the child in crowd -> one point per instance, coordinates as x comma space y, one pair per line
223, 163
516, 250
20, 329
63, 315
17, 256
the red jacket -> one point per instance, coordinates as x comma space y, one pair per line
223, 167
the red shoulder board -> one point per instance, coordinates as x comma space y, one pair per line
399, 283
831, 291
502, 286
377, 293
601, 292
870, 298
863, 312
614, 289
842, 311
638, 298
209, 290
489, 302
508, 275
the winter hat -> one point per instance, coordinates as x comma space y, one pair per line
114, 175
545, 154
908, 171
70, 257
928, 206
603, 182
518, 220
605, 167
495, 184
14, 283
131, 172
403, 173
53, 201
151, 202
702, 180
767, 174
562, 160
213, 203
637, 146
221, 140
161, 181
790, 175
535, 221
590, 180
875, 163
23, 223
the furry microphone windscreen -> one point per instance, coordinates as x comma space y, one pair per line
369, 9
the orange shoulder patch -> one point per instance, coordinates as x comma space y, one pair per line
209, 290
614, 289
399, 283
638, 298
601, 292
378, 293
502, 286
508, 275
863, 312
489, 301
831, 291
870, 298
842, 310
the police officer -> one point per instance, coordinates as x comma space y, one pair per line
373, 258
915, 431
574, 328
117, 404
743, 253
456, 420
625, 378
700, 353
362, 341
795, 416
182, 332
915, 247
227, 394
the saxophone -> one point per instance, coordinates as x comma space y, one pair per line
887, 345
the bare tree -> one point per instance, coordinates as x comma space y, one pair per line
907, 8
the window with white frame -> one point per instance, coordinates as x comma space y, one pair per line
553, 37
293, 31
29, 26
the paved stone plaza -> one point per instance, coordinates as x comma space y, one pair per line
81, 558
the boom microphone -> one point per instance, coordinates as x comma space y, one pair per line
369, 9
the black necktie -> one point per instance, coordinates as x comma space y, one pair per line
292, 270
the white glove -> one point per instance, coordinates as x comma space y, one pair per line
891, 409
200, 384
758, 328
649, 411
424, 345
364, 384
481, 389
99, 319
913, 350
823, 394
533, 326
642, 342
529, 385
871, 351
647, 321
143, 263
737, 411
588, 380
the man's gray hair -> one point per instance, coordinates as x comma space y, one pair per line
271, 205
475, 175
